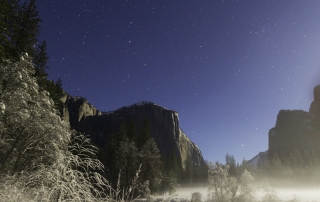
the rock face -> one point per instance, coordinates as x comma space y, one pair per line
258, 160
164, 125
76, 108
296, 130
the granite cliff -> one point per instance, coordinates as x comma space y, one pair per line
296, 130
258, 160
164, 125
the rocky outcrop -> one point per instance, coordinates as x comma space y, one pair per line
296, 130
76, 108
164, 126
189, 150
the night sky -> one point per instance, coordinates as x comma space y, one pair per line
227, 67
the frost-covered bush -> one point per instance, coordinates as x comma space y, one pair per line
38, 160
270, 197
218, 183
270, 194
196, 197
224, 187
247, 184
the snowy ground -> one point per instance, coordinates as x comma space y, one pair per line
285, 194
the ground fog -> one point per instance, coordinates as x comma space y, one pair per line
284, 194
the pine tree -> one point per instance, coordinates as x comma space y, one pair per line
171, 173
107, 157
168, 183
40, 60
231, 162
55, 90
150, 159
21, 29
113, 143
127, 161
4, 15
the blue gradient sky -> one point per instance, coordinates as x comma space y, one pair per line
227, 67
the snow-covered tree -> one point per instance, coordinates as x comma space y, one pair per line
31, 131
218, 179
247, 185
38, 161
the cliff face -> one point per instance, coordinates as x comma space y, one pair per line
189, 150
258, 160
76, 108
164, 126
296, 130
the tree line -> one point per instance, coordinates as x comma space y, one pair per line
294, 166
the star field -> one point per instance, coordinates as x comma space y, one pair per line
227, 67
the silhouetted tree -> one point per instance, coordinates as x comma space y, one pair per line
127, 161
113, 143
150, 159
20, 29
231, 162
